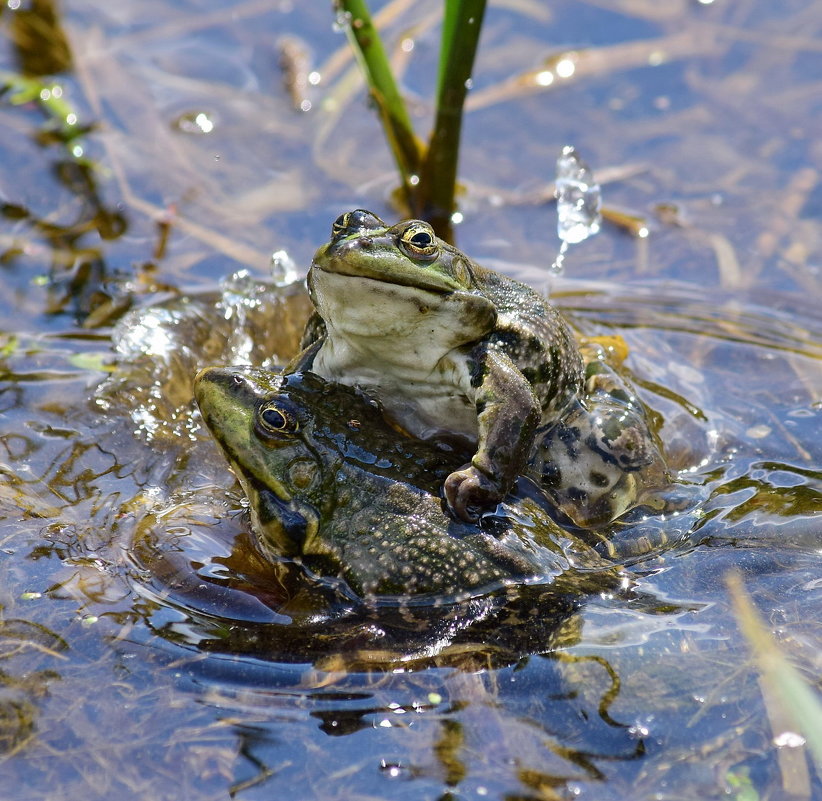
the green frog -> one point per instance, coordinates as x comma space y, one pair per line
454, 349
331, 482
448, 347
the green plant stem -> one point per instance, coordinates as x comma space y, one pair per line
365, 40
437, 187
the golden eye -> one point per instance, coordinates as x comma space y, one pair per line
275, 418
340, 225
419, 242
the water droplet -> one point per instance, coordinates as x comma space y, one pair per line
578, 198
194, 122
342, 21
393, 770
283, 268
558, 266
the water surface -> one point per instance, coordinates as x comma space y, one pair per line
149, 652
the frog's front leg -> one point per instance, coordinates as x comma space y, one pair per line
508, 413
304, 360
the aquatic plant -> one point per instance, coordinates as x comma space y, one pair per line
793, 708
428, 173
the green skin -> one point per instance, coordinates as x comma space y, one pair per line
445, 345
331, 482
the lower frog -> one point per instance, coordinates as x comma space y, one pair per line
449, 347
329, 481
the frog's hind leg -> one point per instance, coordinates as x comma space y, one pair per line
602, 459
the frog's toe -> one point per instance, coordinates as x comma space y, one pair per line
468, 492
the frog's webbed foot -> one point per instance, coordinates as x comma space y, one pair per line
469, 492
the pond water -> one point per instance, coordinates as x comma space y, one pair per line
148, 651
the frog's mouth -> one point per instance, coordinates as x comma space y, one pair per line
287, 526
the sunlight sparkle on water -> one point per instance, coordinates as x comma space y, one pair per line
566, 67
789, 739
392, 770
204, 123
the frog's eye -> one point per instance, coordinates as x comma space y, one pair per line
340, 225
275, 418
419, 242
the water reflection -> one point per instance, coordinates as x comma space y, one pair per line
30, 655
39, 41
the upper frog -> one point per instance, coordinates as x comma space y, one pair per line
328, 480
446, 345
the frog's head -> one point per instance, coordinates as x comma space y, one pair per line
407, 254
378, 279
266, 433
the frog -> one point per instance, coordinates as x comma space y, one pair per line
453, 349
331, 483
448, 347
